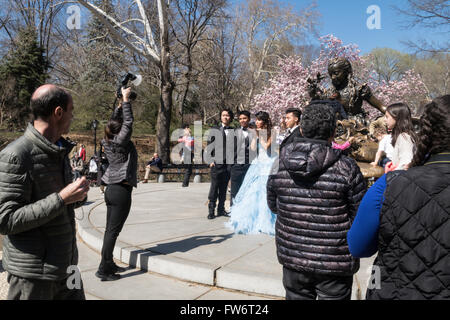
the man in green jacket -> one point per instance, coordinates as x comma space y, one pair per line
37, 201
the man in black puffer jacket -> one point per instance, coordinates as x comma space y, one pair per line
315, 194
37, 201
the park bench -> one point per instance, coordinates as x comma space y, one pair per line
177, 170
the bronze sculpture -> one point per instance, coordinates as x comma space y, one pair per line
345, 89
348, 92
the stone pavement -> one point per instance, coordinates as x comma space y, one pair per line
174, 252
167, 233
136, 284
139, 285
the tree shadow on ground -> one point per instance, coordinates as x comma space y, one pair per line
184, 245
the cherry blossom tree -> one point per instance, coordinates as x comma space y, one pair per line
288, 88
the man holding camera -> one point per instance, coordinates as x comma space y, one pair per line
37, 202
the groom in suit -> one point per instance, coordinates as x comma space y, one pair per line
243, 155
221, 163
292, 122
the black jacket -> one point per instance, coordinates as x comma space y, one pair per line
121, 152
315, 193
222, 152
156, 162
414, 234
296, 134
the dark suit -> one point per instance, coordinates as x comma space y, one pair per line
220, 173
290, 138
243, 157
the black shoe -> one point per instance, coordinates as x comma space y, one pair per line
107, 277
211, 216
117, 269
223, 214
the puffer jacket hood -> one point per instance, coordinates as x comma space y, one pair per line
309, 158
315, 193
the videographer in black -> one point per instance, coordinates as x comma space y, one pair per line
120, 178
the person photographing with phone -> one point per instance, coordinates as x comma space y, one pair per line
120, 178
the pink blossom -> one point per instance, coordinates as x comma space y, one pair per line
288, 88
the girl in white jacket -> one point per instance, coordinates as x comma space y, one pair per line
399, 121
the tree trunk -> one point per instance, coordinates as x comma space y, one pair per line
184, 95
163, 122
187, 78
167, 87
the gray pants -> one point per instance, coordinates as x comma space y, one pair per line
32, 289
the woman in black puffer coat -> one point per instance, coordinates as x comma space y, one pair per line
315, 194
413, 259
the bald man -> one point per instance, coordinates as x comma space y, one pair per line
37, 201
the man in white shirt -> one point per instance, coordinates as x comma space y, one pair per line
243, 154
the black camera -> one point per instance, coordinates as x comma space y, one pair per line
123, 82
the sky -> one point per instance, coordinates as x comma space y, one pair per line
347, 20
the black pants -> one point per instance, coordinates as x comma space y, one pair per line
188, 171
118, 204
187, 175
220, 175
309, 286
32, 289
238, 172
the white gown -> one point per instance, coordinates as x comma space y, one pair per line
250, 213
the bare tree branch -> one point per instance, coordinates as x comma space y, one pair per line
432, 14
109, 22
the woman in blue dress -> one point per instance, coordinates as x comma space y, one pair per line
250, 213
